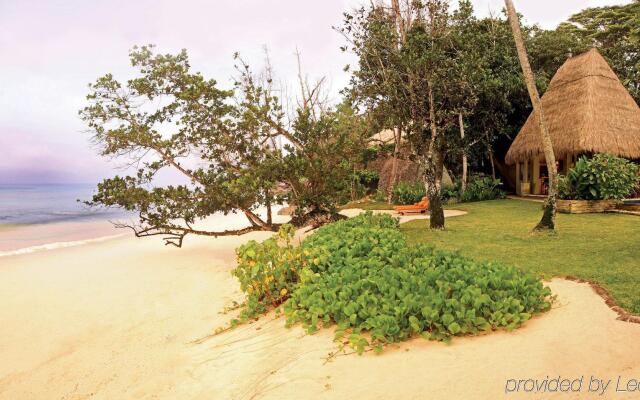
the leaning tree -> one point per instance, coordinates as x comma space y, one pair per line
236, 149
548, 220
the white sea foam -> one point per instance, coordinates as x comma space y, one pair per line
57, 245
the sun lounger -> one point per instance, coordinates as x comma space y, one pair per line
420, 207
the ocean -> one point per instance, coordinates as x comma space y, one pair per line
41, 204
44, 217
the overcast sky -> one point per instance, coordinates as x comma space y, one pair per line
51, 49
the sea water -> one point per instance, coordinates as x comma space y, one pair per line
39, 204
49, 216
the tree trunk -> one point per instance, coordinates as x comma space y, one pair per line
492, 161
397, 136
400, 22
433, 171
397, 132
465, 161
550, 207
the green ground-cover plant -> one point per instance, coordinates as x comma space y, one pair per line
602, 177
267, 272
378, 290
361, 275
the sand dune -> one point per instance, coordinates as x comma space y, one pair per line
121, 319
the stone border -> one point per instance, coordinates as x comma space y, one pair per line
585, 206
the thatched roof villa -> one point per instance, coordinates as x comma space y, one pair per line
587, 110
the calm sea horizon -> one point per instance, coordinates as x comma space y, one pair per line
48, 203
35, 217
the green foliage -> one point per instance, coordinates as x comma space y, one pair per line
223, 142
363, 182
601, 177
615, 31
380, 195
268, 271
408, 193
450, 193
367, 179
481, 187
418, 77
378, 290
372, 152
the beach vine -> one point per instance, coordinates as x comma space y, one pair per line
361, 277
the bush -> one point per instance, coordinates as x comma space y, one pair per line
481, 188
367, 178
601, 177
380, 195
267, 271
363, 182
362, 276
450, 193
408, 193
373, 152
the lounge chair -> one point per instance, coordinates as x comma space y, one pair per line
421, 207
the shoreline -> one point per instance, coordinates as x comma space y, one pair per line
19, 239
27, 238
57, 245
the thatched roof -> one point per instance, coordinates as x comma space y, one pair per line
586, 109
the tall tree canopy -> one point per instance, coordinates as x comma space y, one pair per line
419, 82
236, 148
615, 31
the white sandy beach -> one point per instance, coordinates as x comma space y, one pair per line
122, 319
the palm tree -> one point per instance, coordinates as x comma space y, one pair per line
550, 208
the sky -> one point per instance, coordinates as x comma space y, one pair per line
51, 49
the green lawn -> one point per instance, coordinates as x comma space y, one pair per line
368, 205
601, 247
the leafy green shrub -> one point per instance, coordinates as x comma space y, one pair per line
363, 182
601, 177
380, 195
362, 276
367, 178
371, 153
408, 193
481, 188
450, 193
267, 271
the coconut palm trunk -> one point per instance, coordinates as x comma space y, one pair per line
549, 214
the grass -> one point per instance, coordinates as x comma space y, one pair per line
368, 205
604, 248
